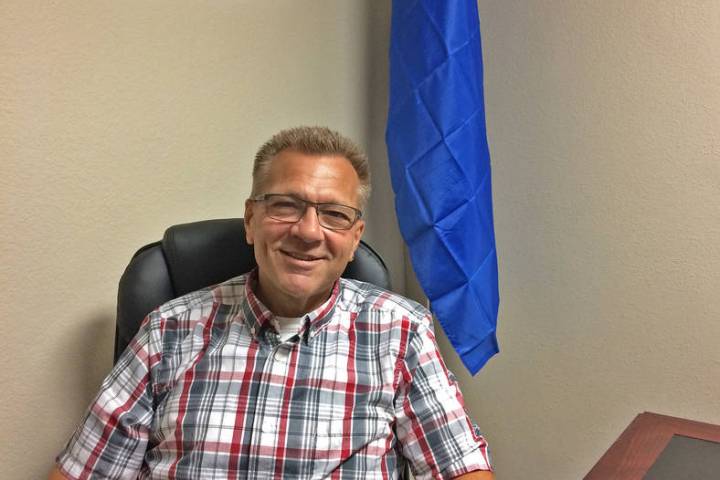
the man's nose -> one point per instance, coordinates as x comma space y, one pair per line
308, 227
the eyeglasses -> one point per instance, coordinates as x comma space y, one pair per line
290, 209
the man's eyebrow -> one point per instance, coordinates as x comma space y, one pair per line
302, 197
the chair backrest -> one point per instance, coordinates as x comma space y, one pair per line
195, 255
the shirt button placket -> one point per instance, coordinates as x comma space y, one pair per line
255, 464
269, 406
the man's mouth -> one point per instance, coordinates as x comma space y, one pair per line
301, 256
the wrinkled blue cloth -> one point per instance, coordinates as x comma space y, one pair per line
440, 168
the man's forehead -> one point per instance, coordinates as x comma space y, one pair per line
309, 166
291, 155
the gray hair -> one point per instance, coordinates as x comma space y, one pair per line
317, 141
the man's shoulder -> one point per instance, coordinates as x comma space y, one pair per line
363, 296
229, 292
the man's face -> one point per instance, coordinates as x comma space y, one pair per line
299, 262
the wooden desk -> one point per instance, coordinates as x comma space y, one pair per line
639, 446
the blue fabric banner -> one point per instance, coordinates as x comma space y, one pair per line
440, 167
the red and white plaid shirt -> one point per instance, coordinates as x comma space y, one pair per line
206, 390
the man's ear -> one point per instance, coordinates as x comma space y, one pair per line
249, 213
359, 228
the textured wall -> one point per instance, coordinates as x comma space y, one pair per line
603, 123
118, 119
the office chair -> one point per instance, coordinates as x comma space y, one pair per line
195, 255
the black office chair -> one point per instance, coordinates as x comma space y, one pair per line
195, 255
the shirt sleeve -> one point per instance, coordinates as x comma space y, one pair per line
436, 435
111, 440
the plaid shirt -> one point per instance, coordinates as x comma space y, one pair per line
206, 390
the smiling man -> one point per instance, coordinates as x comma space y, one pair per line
288, 371
302, 251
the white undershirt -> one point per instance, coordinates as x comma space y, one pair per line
287, 326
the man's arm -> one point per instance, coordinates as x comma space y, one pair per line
117, 423
430, 406
477, 475
55, 474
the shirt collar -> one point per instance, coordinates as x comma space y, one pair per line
258, 317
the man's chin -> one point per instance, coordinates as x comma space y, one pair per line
301, 285
304, 290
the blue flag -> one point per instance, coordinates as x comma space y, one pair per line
440, 167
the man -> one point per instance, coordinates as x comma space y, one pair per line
288, 371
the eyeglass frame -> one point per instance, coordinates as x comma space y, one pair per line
265, 196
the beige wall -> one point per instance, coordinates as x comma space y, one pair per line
603, 123
118, 119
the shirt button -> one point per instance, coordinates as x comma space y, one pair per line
268, 427
252, 331
281, 355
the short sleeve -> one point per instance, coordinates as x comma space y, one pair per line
111, 440
436, 435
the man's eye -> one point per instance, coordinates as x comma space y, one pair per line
337, 215
284, 203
